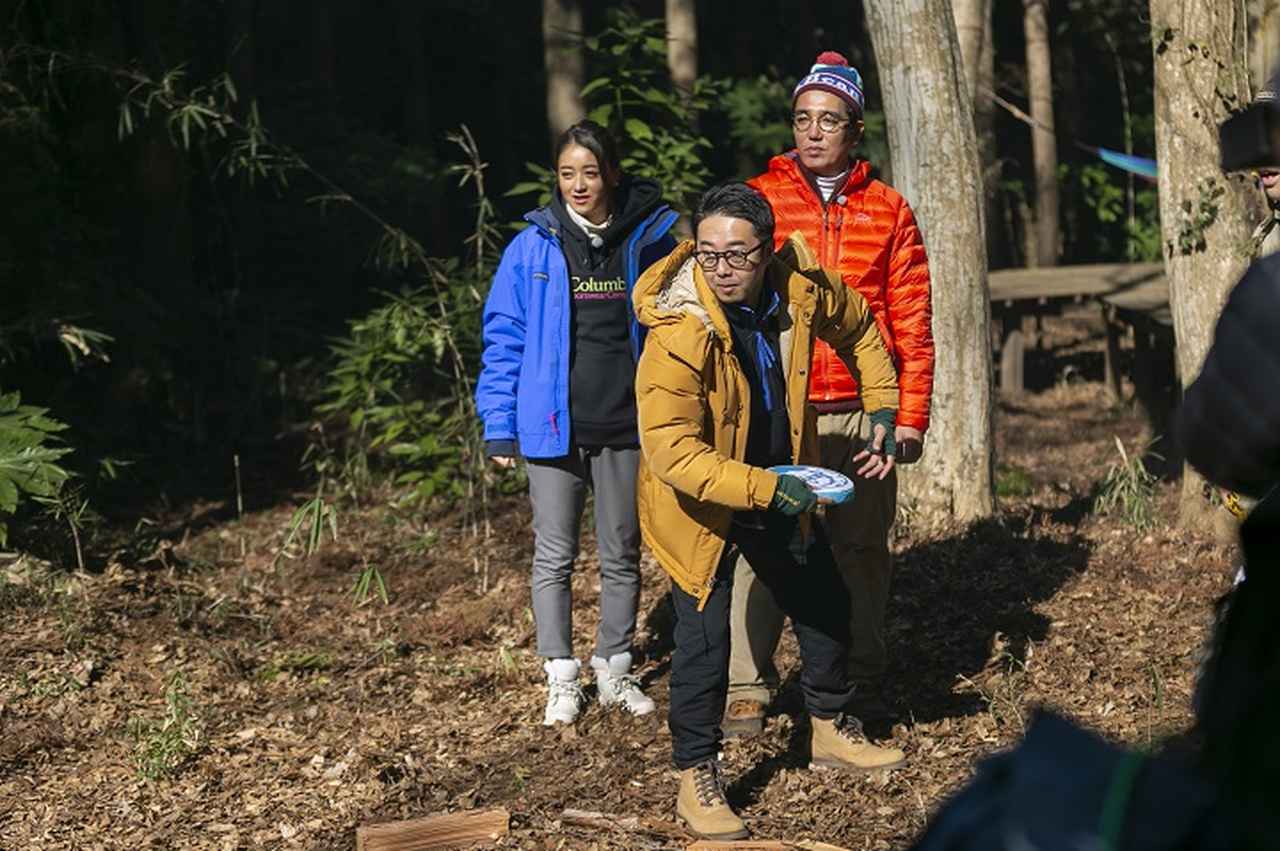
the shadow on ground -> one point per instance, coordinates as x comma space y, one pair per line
953, 595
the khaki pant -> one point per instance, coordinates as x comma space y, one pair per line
859, 535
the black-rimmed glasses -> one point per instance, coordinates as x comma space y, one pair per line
736, 258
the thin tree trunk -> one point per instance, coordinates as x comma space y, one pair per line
323, 56
1044, 145
682, 44
935, 158
411, 22
1200, 71
973, 28
562, 57
1264, 40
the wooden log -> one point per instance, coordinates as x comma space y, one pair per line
440, 831
760, 845
610, 821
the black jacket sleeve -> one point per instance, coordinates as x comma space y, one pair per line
1229, 425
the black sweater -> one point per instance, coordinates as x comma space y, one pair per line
602, 402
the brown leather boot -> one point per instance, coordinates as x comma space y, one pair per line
743, 718
701, 804
839, 743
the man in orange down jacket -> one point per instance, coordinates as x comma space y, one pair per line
864, 230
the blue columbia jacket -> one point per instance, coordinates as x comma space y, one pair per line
523, 392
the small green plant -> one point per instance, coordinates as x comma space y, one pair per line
367, 584
1003, 692
296, 662
162, 747
1128, 492
307, 527
1012, 481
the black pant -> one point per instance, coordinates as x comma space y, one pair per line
807, 587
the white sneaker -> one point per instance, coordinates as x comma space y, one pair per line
564, 697
618, 686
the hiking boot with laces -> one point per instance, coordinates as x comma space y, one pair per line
702, 806
617, 686
564, 694
743, 718
840, 743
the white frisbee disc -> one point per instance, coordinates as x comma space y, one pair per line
827, 484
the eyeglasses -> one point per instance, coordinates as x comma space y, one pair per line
827, 122
736, 258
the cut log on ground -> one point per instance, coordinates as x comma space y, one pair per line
760, 845
611, 821
442, 831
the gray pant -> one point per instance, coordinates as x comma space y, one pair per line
558, 491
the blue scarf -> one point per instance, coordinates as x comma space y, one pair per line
767, 363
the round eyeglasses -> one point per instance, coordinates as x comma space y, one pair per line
827, 122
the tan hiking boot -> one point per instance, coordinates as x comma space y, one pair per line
839, 743
701, 804
743, 718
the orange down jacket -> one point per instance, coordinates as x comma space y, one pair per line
868, 234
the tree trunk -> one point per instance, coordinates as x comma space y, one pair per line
1200, 73
682, 44
562, 57
1044, 145
935, 161
1264, 40
974, 29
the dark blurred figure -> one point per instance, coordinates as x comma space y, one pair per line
1064, 789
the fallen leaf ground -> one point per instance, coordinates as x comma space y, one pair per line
314, 715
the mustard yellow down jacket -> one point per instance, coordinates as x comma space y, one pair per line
694, 399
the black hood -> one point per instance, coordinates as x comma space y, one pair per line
633, 200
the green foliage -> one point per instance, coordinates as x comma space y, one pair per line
1143, 233
1104, 196
1128, 492
1012, 481
758, 111
874, 146
631, 94
162, 746
401, 379
377, 383
29, 460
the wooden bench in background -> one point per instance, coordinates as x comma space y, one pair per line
1132, 295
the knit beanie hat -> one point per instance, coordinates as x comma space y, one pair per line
833, 73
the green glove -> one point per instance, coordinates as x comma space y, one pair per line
793, 496
885, 417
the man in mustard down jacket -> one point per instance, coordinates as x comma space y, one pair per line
722, 392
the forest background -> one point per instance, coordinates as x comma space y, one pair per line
244, 243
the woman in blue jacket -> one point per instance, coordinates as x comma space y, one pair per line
557, 387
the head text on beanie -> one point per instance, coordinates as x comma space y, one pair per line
833, 73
